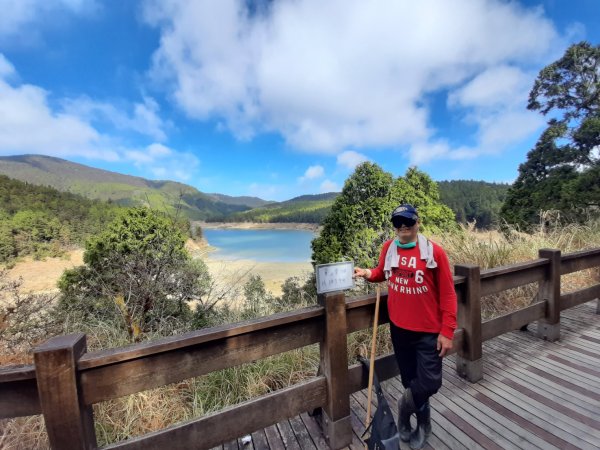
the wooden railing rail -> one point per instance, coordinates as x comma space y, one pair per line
214, 429
18, 391
581, 260
503, 278
106, 381
66, 380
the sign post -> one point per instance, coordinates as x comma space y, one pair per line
334, 277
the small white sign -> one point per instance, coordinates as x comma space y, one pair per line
334, 276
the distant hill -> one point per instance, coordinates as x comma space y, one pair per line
42, 221
251, 202
477, 201
126, 190
303, 209
470, 200
313, 198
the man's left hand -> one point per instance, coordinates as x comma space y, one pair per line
444, 345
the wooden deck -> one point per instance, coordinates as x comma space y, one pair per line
534, 395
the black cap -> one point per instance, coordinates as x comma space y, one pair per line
407, 211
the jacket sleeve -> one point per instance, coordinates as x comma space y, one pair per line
377, 272
446, 292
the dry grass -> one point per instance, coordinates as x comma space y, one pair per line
493, 249
23, 433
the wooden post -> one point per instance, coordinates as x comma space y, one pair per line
549, 327
334, 366
69, 422
469, 363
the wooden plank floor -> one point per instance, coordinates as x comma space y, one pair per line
534, 395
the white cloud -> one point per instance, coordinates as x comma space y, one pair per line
6, 68
509, 127
264, 191
28, 124
159, 150
496, 102
143, 119
329, 186
163, 162
149, 155
495, 87
19, 15
350, 159
330, 76
313, 172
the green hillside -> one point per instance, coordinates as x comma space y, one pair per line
252, 202
122, 189
470, 200
303, 209
477, 201
42, 221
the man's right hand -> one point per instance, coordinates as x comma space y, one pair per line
363, 273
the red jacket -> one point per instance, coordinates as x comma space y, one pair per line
419, 299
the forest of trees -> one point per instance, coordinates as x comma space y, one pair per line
474, 201
41, 221
304, 209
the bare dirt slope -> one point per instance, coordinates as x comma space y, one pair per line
42, 276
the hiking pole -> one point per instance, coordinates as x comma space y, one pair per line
372, 360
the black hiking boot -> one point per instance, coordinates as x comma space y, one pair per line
406, 408
418, 438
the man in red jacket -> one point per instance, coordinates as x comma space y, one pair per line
422, 310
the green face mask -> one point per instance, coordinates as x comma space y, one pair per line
407, 245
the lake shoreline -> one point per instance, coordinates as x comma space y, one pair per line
41, 276
235, 270
259, 226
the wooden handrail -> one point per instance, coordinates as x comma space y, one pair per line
503, 278
578, 297
194, 338
512, 321
581, 260
18, 391
17, 372
213, 429
108, 374
128, 376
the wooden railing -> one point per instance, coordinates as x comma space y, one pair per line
66, 381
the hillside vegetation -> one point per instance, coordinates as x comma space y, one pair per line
474, 201
303, 209
42, 221
470, 200
167, 196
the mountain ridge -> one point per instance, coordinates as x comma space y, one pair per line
471, 201
130, 190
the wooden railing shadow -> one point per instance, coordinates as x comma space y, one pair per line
66, 381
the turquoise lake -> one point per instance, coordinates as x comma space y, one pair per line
260, 245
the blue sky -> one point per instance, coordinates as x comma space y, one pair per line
280, 98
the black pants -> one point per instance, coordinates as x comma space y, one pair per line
419, 362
